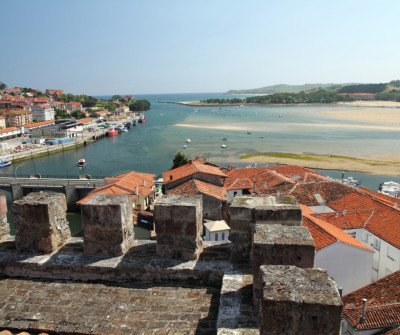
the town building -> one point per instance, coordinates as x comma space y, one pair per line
373, 309
16, 117
347, 260
139, 185
3, 122
217, 231
42, 113
10, 132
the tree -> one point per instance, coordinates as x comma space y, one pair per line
2, 86
117, 97
179, 160
111, 106
139, 105
77, 114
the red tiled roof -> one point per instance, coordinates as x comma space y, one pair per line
193, 167
87, 120
42, 123
125, 184
195, 186
5, 130
382, 306
325, 234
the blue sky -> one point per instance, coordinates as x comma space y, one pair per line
157, 46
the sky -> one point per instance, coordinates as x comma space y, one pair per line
100, 47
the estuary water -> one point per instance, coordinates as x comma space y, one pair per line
150, 147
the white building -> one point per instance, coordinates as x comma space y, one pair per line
216, 231
42, 113
347, 260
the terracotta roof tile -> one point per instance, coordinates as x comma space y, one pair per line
193, 167
382, 306
195, 186
325, 234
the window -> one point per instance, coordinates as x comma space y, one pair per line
353, 234
222, 236
390, 253
366, 237
216, 236
377, 244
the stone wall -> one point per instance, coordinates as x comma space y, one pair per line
179, 226
107, 224
298, 301
40, 222
4, 226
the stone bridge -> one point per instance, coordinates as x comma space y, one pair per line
73, 189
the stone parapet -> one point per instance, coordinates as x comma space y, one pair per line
179, 226
107, 224
4, 226
298, 301
248, 210
280, 245
40, 222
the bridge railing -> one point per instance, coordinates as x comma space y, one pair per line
68, 176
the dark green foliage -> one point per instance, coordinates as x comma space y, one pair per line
179, 160
139, 105
77, 114
61, 114
2, 86
363, 88
320, 96
117, 97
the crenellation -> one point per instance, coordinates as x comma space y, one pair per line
40, 222
288, 296
107, 224
4, 226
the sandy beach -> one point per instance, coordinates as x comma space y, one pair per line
383, 165
374, 115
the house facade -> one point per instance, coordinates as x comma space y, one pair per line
42, 113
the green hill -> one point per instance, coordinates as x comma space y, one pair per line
287, 88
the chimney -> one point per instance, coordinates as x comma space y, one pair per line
254, 186
136, 190
144, 182
204, 159
362, 320
197, 157
265, 185
171, 177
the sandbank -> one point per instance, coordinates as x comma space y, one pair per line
372, 103
261, 126
382, 165
375, 115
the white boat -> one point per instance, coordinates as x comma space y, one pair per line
188, 140
184, 146
81, 163
390, 188
351, 181
5, 162
223, 146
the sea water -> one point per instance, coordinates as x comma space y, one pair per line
150, 147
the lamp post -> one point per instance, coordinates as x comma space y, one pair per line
16, 171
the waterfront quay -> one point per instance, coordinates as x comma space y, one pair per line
19, 151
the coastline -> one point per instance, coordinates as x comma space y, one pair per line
382, 165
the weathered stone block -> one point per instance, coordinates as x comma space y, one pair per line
179, 226
40, 222
107, 224
298, 301
4, 226
280, 245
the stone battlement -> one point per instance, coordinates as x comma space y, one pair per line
269, 249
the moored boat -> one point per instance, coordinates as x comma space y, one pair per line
142, 119
188, 140
112, 132
5, 162
223, 146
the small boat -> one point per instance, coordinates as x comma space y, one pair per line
122, 129
260, 136
351, 181
81, 163
184, 146
112, 132
390, 188
223, 146
224, 138
249, 132
142, 119
188, 140
5, 162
